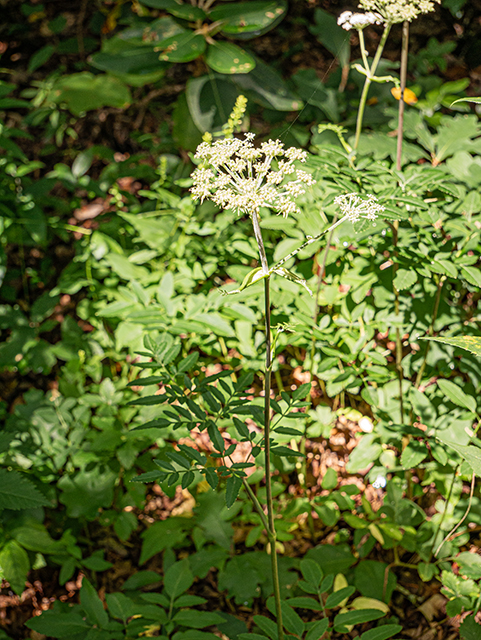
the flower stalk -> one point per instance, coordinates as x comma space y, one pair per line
235, 174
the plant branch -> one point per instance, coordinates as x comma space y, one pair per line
454, 529
367, 83
404, 65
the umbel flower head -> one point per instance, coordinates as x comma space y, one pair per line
236, 175
394, 11
353, 207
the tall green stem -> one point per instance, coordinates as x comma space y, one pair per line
369, 78
271, 531
271, 528
404, 65
399, 353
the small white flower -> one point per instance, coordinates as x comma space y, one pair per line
236, 175
348, 20
394, 11
379, 482
354, 207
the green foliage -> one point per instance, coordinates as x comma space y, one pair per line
121, 360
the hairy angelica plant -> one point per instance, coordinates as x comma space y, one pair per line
237, 175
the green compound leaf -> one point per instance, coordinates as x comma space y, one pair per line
232, 489
343, 620
470, 343
246, 20
470, 453
457, 395
225, 57
475, 100
405, 278
470, 629
59, 625
183, 47
382, 633
292, 622
178, 578
92, 605
14, 565
318, 629
16, 492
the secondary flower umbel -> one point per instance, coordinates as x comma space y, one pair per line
349, 20
394, 11
236, 175
353, 207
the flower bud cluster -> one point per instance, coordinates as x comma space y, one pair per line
354, 207
236, 175
349, 20
394, 11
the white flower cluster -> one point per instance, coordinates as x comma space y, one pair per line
353, 207
236, 175
394, 11
349, 20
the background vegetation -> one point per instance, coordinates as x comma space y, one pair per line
107, 530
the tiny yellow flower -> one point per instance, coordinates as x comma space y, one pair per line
409, 96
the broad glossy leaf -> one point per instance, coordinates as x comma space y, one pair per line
331, 35
226, 57
206, 109
132, 60
159, 4
266, 87
183, 47
249, 19
186, 12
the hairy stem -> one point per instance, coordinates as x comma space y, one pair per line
456, 527
368, 81
271, 529
404, 65
260, 243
